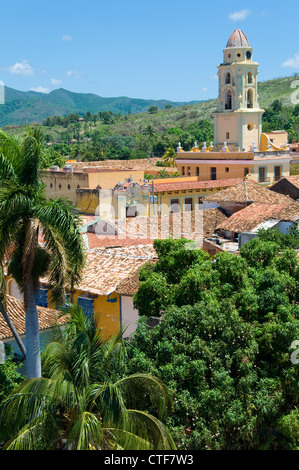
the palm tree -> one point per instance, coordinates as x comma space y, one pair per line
149, 131
169, 157
25, 213
83, 401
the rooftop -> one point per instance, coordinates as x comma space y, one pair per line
182, 185
238, 39
249, 218
16, 311
249, 191
293, 179
142, 231
106, 268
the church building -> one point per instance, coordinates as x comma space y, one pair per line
240, 148
238, 118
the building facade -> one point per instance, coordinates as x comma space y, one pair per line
240, 148
238, 118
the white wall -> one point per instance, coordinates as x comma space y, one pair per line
129, 315
13, 290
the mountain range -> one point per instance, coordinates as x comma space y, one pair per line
31, 106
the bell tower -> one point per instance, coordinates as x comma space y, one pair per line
238, 118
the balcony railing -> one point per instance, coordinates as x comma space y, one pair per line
264, 179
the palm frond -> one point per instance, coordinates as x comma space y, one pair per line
127, 440
59, 214
30, 152
7, 171
28, 257
86, 433
28, 438
25, 403
59, 270
140, 389
149, 428
10, 148
142, 431
108, 400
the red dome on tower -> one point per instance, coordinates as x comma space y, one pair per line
238, 39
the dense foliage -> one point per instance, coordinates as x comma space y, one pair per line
224, 342
10, 378
83, 401
278, 117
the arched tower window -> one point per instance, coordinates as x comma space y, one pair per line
227, 78
249, 77
250, 98
228, 99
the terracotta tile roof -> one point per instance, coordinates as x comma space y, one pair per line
15, 309
106, 268
134, 164
248, 191
144, 230
293, 179
212, 217
130, 285
249, 218
182, 185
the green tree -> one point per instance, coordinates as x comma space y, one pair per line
223, 343
169, 157
149, 131
10, 378
25, 212
152, 110
83, 401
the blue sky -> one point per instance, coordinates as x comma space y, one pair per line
142, 49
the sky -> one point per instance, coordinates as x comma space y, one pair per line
150, 49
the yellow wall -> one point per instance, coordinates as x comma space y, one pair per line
279, 139
65, 184
182, 155
252, 135
107, 314
164, 199
227, 123
270, 169
108, 180
235, 170
87, 200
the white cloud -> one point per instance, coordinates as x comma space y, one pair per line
40, 89
214, 77
73, 73
204, 89
55, 81
67, 37
21, 68
239, 15
292, 62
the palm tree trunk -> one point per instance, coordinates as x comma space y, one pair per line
33, 362
13, 330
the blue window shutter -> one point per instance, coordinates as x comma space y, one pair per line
87, 306
41, 298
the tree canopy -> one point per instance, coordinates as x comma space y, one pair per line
223, 344
84, 401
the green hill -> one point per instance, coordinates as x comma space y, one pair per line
35, 107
